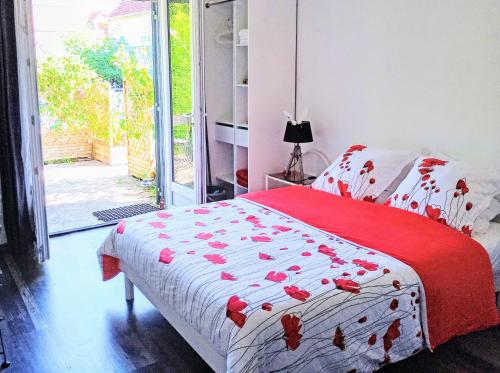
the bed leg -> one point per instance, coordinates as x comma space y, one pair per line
129, 289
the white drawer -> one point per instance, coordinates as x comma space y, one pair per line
242, 137
224, 133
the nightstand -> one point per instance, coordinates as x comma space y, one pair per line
278, 180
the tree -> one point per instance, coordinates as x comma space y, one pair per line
99, 56
75, 97
138, 97
180, 55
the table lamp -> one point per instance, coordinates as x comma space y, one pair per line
297, 133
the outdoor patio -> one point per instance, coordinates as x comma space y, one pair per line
75, 190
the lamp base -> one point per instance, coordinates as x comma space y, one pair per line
295, 170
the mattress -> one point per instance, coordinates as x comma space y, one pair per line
490, 240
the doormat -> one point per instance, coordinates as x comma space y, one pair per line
124, 212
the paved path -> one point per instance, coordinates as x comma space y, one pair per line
75, 190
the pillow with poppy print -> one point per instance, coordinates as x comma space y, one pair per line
363, 172
448, 191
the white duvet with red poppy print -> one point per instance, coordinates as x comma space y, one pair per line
272, 293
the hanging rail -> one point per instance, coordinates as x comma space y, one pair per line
208, 5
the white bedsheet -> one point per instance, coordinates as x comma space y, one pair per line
490, 240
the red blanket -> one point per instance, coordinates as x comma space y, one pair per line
455, 270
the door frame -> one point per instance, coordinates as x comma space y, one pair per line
197, 193
158, 122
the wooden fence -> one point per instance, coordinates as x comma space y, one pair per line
59, 145
139, 154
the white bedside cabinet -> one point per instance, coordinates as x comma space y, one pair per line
278, 180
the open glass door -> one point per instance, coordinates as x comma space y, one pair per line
30, 123
181, 101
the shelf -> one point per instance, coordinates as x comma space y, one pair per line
242, 45
224, 133
228, 122
242, 85
229, 178
242, 125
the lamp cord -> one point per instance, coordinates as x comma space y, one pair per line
296, 55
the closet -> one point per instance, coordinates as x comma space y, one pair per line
226, 93
249, 72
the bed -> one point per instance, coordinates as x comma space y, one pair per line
299, 280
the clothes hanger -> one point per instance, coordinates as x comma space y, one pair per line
226, 36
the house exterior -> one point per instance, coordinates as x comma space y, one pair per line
131, 20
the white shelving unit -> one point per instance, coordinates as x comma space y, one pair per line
235, 132
247, 87
240, 77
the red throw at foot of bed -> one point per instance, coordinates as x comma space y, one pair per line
455, 270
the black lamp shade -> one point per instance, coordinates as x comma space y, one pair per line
298, 133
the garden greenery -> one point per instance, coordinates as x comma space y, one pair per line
99, 56
74, 98
75, 89
138, 96
180, 55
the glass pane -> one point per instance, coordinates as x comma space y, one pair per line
181, 86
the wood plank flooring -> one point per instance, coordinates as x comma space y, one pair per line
61, 317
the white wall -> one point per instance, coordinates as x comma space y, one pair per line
402, 74
271, 71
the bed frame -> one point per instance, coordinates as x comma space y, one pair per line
198, 342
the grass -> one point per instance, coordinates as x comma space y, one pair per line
60, 161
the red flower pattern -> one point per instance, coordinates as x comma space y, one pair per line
323, 249
391, 334
350, 182
215, 258
267, 306
233, 310
339, 339
366, 264
120, 228
204, 236
347, 285
423, 198
218, 245
344, 189
296, 293
227, 276
276, 276
166, 256
261, 239
291, 326
163, 214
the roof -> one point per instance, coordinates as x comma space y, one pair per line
128, 7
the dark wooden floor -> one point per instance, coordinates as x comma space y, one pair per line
60, 317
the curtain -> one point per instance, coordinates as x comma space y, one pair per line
17, 222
